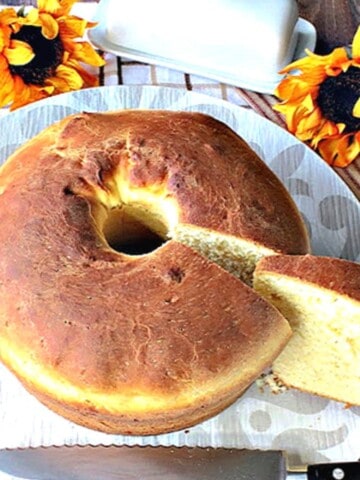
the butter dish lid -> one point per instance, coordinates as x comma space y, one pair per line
236, 42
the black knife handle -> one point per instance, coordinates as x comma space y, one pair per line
334, 471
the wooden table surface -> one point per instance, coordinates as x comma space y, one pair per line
335, 20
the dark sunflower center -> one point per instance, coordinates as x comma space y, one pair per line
48, 55
337, 97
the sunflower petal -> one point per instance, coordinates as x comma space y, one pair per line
330, 128
312, 121
56, 7
337, 62
356, 109
293, 115
59, 85
327, 129
297, 65
340, 150
25, 94
72, 27
8, 16
356, 44
5, 33
308, 103
19, 53
66, 79
314, 77
50, 27
292, 88
32, 18
301, 127
66, 6
6, 83
328, 149
89, 79
84, 52
347, 151
49, 6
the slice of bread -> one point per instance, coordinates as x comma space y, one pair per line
320, 297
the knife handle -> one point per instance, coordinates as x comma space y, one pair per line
334, 471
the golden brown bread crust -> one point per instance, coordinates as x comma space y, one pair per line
185, 332
136, 345
337, 275
217, 180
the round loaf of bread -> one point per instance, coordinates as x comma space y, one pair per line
113, 311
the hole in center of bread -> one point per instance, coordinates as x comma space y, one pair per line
134, 231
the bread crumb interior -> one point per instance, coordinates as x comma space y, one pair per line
320, 342
237, 256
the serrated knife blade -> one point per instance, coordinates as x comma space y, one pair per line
154, 463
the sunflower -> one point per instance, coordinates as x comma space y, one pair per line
41, 53
321, 102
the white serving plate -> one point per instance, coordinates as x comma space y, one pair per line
310, 428
258, 78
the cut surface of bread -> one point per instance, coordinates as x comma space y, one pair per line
320, 297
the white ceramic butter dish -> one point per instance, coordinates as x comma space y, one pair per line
237, 42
